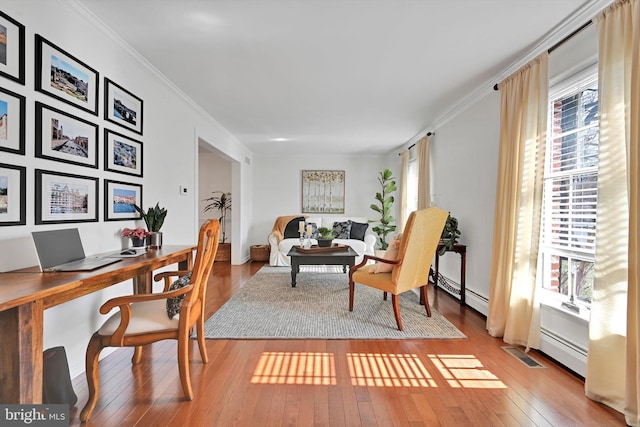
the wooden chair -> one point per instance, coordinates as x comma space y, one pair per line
143, 319
411, 268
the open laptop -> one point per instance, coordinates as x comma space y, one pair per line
61, 250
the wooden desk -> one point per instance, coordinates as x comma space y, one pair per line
25, 294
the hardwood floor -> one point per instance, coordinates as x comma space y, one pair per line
469, 382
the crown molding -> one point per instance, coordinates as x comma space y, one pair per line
80, 9
585, 13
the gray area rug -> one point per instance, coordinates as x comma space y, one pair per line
318, 307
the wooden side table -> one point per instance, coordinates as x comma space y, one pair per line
462, 250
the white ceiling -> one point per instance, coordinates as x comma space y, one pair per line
345, 76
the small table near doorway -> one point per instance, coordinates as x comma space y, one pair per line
321, 256
462, 251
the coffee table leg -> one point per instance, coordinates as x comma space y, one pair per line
294, 271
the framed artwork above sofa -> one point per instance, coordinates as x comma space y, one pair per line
323, 191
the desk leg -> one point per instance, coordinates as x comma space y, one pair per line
21, 354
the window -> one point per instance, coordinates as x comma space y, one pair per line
568, 230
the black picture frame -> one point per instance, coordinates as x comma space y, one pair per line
122, 107
119, 198
77, 84
63, 137
122, 154
12, 122
13, 195
65, 198
12, 61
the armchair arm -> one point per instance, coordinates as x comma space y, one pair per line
167, 275
366, 258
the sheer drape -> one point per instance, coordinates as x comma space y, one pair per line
612, 363
424, 184
404, 176
516, 233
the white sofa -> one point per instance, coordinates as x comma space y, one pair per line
279, 249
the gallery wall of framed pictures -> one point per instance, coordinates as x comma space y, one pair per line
70, 135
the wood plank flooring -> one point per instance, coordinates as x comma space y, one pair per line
469, 382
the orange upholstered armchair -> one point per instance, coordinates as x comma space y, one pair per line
146, 318
411, 269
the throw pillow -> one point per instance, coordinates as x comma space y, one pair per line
291, 229
342, 230
391, 254
358, 230
175, 304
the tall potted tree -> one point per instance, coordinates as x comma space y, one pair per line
385, 202
221, 201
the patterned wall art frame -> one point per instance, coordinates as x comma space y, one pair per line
122, 107
13, 193
122, 154
65, 198
323, 191
64, 77
12, 122
63, 137
12, 38
119, 198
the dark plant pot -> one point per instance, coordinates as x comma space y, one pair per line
137, 243
324, 243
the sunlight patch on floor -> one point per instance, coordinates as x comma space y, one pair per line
464, 371
388, 370
295, 368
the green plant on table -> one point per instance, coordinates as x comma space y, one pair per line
153, 217
450, 234
325, 233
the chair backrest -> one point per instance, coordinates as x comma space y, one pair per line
208, 239
418, 247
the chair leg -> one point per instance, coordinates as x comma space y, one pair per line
201, 340
395, 301
352, 286
425, 298
384, 295
137, 355
93, 380
183, 366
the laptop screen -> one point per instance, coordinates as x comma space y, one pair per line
55, 247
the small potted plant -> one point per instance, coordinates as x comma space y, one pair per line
450, 234
325, 237
154, 218
138, 236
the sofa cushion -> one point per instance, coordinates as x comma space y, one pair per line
291, 230
358, 230
314, 230
342, 230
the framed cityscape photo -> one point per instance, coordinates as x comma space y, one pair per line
13, 193
119, 198
12, 122
65, 138
122, 154
64, 77
11, 48
62, 198
122, 107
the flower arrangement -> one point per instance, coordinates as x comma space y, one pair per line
135, 233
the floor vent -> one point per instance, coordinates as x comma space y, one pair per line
523, 357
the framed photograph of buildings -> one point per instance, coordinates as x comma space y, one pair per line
122, 154
119, 198
62, 197
65, 138
64, 77
122, 107
11, 48
13, 180
12, 122
322, 191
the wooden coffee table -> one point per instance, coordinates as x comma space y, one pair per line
339, 256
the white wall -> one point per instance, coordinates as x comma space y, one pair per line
277, 186
464, 158
172, 127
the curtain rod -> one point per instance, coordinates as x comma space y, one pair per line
561, 42
413, 145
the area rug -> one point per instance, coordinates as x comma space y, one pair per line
318, 307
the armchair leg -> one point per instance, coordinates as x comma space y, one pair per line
352, 286
395, 301
384, 295
183, 366
93, 380
425, 298
201, 340
137, 355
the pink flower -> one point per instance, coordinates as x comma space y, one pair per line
137, 233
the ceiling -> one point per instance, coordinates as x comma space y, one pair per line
345, 76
